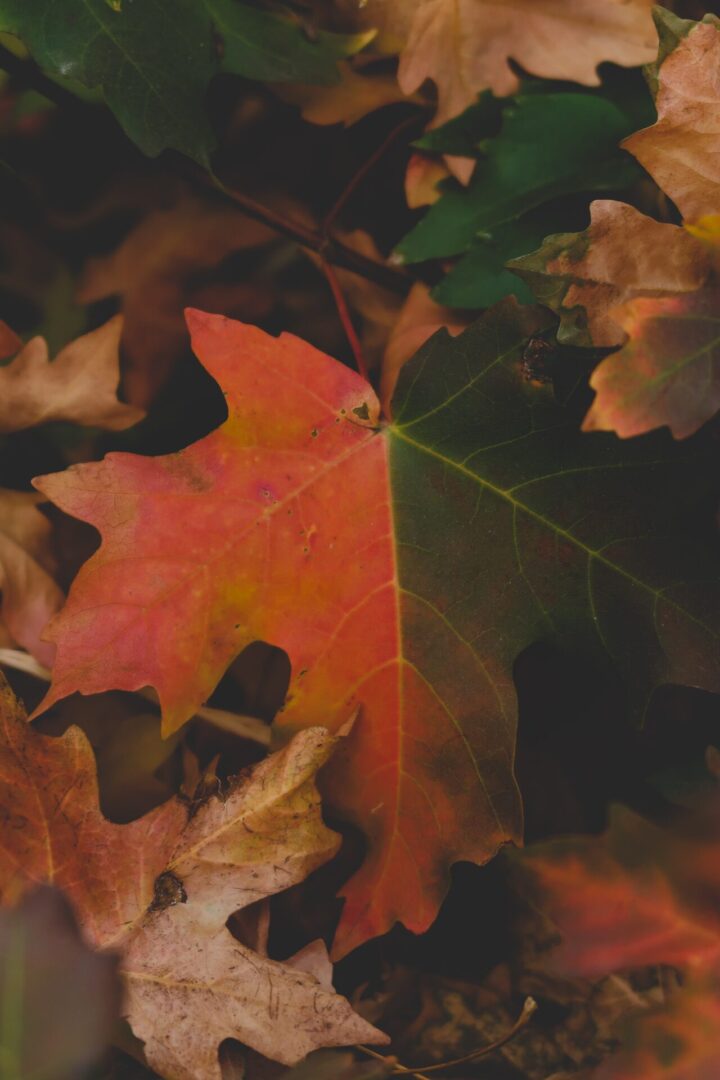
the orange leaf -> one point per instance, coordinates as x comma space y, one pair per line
161, 889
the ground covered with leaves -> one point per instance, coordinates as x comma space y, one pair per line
359, 554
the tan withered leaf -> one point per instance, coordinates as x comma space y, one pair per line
682, 150
466, 46
30, 595
153, 271
583, 276
80, 385
161, 889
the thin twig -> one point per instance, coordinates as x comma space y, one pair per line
28, 74
366, 167
345, 318
397, 1067
528, 1009
247, 727
331, 250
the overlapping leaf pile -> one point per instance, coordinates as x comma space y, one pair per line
405, 550
651, 285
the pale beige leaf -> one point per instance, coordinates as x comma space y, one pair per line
465, 46
80, 385
162, 888
178, 969
682, 150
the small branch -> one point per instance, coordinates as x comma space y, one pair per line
345, 319
528, 1009
332, 251
247, 727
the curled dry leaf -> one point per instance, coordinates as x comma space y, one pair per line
402, 567
583, 276
465, 46
160, 889
79, 386
646, 285
682, 150
667, 373
30, 595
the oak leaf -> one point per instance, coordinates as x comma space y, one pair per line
667, 373
465, 46
682, 150
584, 276
650, 286
30, 594
80, 385
402, 567
638, 896
160, 889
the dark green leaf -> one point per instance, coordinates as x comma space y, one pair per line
480, 279
152, 59
514, 527
549, 145
261, 45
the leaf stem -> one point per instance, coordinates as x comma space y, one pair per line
528, 1009
331, 250
345, 318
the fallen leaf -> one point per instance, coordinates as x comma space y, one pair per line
162, 888
154, 270
60, 999
642, 895
667, 373
583, 276
30, 595
682, 150
79, 386
402, 568
419, 318
465, 46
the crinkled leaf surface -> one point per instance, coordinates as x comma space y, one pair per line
550, 144
161, 889
667, 373
583, 276
59, 999
402, 568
